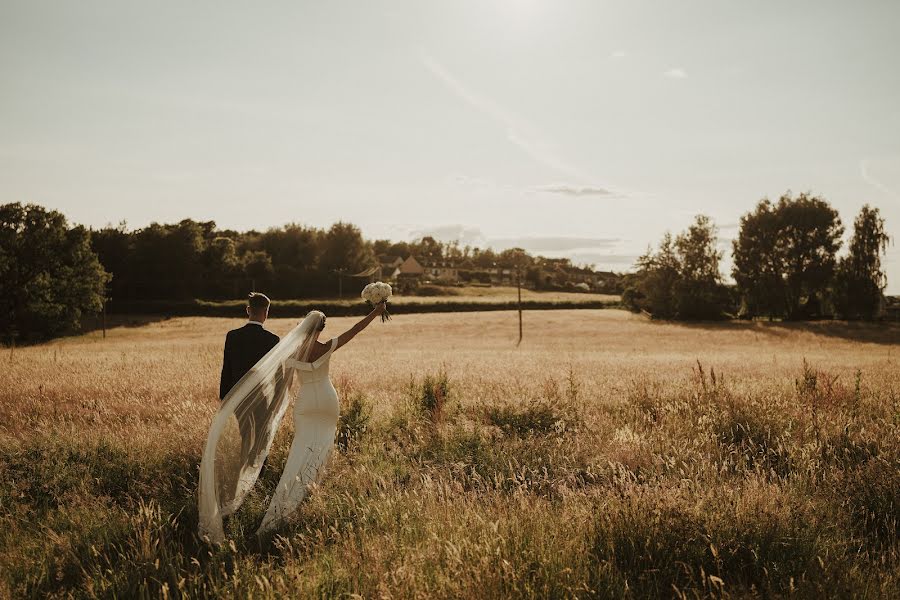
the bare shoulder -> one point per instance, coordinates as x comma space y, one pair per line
318, 350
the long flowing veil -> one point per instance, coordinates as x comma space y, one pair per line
242, 430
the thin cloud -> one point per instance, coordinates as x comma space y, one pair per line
618, 54
554, 244
676, 73
518, 132
605, 261
574, 190
463, 234
868, 178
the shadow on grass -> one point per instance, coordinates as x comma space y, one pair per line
92, 323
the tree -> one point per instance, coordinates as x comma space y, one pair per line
428, 250
344, 249
113, 246
681, 280
166, 261
295, 251
860, 280
699, 293
757, 267
49, 276
220, 268
381, 247
784, 257
653, 286
258, 267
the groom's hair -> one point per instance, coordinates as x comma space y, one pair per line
258, 302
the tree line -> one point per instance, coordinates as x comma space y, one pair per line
192, 259
51, 274
786, 266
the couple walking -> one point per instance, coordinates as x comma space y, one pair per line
257, 371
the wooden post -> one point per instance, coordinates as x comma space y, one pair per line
519, 286
104, 317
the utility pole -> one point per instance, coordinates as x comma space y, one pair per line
105, 300
519, 290
340, 274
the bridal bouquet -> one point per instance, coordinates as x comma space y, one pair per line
378, 292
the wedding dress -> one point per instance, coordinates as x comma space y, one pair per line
244, 427
316, 412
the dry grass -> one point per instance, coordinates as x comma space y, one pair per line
499, 293
607, 456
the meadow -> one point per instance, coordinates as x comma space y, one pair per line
503, 294
443, 299
607, 456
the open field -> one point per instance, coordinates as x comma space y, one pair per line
464, 299
499, 293
607, 456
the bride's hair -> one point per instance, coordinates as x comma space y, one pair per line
322, 322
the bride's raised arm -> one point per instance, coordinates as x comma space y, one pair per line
362, 324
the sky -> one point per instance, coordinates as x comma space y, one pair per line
571, 128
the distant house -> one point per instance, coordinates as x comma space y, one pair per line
411, 267
389, 267
502, 275
409, 274
443, 273
606, 282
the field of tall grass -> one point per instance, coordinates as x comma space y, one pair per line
452, 299
607, 456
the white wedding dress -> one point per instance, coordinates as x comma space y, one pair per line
316, 412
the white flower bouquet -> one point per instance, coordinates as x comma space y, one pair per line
378, 292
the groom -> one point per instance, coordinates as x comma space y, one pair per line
246, 345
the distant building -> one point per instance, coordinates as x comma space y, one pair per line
411, 267
606, 282
389, 267
442, 273
502, 275
409, 274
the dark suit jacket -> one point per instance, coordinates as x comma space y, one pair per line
243, 349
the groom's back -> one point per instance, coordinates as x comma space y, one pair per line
243, 349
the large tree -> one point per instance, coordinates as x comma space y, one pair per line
113, 246
221, 268
652, 287
295, 251
344, 249
784, 257
167, 260
49, 276
699, 293
860, 280
681, 280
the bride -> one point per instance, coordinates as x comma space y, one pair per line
242, 430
